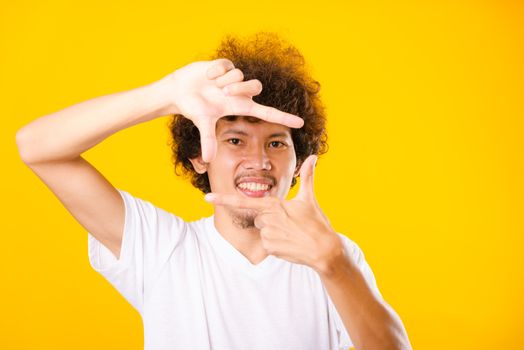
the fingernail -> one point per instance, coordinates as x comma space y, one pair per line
209, 197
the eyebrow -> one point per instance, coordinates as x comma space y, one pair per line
243, 133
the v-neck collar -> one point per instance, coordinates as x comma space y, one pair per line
236, 259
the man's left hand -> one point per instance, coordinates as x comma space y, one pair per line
295, 230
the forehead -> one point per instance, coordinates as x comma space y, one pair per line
249, 126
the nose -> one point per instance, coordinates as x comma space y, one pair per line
256, 158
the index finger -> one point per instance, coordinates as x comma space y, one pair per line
274, 115
231, 200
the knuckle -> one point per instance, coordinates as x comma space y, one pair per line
232, 89
227, 62
267, 112
238, 74
219, 70
273, 115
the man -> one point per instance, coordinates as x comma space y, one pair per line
262, 272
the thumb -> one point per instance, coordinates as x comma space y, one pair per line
208, 141
307, 171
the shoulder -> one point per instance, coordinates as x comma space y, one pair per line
203, 225
142, 206
144, 213
145, 221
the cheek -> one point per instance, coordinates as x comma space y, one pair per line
287, 169
221, 170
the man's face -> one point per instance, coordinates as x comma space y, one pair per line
254, 159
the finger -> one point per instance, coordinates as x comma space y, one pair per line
260, 221
233, 76
249, 88
208, 141
273, 216
307, 172
230, 200
273, 115
219, 67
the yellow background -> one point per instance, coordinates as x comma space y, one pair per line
425, 169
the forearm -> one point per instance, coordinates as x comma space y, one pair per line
369, 320
68, 133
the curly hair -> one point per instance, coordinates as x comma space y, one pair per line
287, 86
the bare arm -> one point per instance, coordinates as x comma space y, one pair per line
66, 134
51, 146
370, 321
297, 230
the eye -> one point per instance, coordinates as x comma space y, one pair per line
276, 144
234, 141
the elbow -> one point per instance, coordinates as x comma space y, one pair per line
23, 144
399, 339
20, 143
391, 343
401, 343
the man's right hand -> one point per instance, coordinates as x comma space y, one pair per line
205, 91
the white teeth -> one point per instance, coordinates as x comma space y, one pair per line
253, 186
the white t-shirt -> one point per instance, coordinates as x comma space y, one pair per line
194, 290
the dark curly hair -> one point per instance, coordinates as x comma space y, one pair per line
287, 86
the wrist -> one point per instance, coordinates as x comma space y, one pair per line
162, 91
335, 263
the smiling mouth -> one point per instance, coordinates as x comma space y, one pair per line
254, 189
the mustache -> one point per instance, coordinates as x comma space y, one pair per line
269, 177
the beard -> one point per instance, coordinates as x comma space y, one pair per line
244, 218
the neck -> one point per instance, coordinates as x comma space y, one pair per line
246, 240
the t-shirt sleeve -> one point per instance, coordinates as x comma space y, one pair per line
354, 251
150, 235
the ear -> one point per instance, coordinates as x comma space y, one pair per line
199, 165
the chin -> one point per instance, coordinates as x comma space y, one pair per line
244, 219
